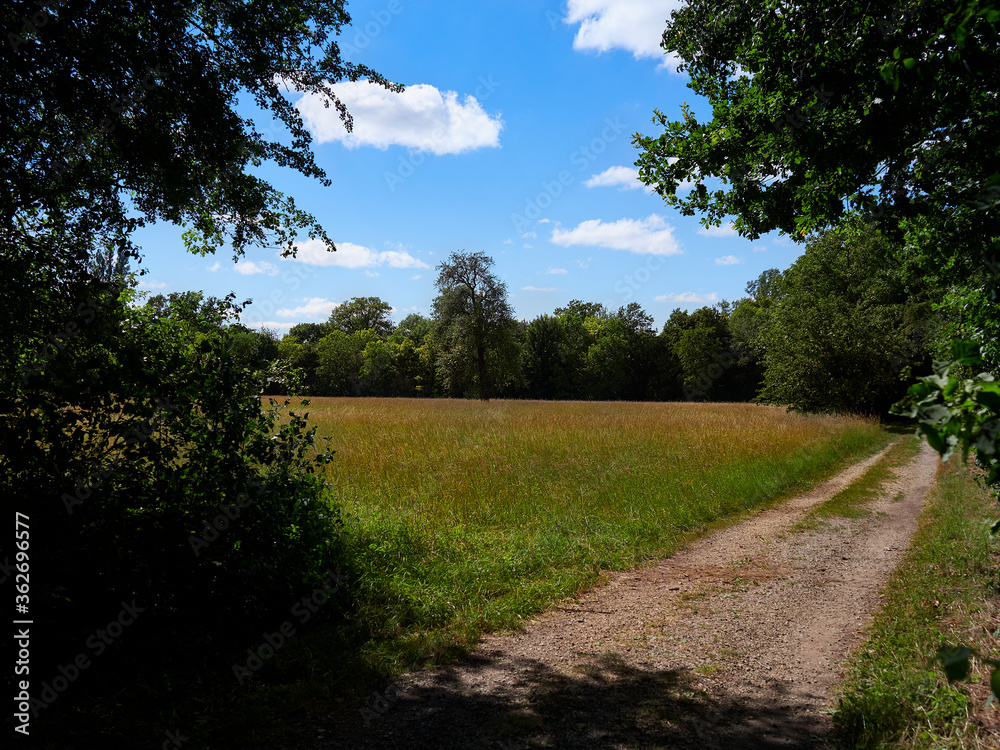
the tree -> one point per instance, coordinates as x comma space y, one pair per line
582, 309
416, 356
476, 326
360, 314
844, 327
308, 333
340, 357
818, 108
126, 433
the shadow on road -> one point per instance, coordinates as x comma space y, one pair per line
603, 704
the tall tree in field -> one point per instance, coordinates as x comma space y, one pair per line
476, 324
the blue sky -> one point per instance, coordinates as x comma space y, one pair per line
514, 138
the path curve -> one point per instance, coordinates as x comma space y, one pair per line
734, 642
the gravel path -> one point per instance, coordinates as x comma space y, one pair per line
735, 642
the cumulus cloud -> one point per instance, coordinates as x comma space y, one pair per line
689, 298
538, 288
633, 25
649, 236
727, 230
150, 284
624, 178
420, 118
214, 267
349, 255
728, 260
557, 270
627, 178
317, 308
250, 268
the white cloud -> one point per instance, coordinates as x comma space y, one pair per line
584, 263
349, 255
760, 248
626, 178
724, 231
214, 267
728, 260
421, 118
633, 25
545, 221
249, 268
317, 308
150, 284
689, 298
538, 288
650, 236
415, 278
508, 241
557, 270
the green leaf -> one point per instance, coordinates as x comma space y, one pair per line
955, 661
990, 400
966, 353
909, 63
995, 682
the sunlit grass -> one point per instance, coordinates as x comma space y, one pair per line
853, 500
465, 517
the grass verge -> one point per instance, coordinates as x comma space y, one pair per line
945, 590
852, 501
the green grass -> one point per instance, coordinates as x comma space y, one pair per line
465, 518
945, 590
853, 500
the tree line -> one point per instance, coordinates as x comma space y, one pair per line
840, 330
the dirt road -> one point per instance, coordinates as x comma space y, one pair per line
735, 642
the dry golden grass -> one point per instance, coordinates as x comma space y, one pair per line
448, 461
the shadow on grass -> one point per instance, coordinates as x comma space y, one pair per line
605, 703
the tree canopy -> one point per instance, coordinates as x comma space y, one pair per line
819, 108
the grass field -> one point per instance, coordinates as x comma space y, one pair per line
465, 517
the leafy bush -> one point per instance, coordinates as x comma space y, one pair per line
154, 475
